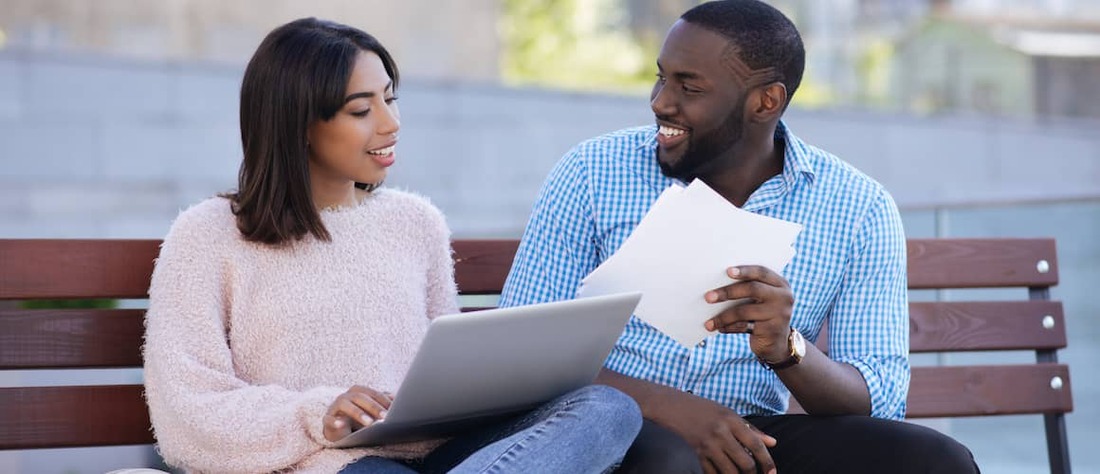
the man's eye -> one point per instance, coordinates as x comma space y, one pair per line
661, 78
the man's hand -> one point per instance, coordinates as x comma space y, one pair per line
353, 409
725, 442
764, 312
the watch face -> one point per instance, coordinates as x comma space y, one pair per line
798, 343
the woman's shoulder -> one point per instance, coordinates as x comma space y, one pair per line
411, 203
412, 213
211, 218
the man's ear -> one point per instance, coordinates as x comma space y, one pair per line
768, 102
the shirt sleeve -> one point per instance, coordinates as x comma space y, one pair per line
204, 416
869, 324
558, 246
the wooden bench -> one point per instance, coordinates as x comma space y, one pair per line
102, 415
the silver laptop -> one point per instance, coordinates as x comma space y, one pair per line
479, 367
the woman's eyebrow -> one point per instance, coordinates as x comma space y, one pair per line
368, 95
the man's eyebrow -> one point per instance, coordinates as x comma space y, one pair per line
690, 76
681, 75
361, 95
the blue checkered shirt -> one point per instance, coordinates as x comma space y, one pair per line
848, 272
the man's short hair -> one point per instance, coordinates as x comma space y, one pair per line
763, 35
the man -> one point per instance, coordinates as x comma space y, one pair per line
728, 70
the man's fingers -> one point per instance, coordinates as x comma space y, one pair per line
749, 291
756, 273
767, 439
708, 468
750, 439
735, 327
740, 318
726, 453
716, 455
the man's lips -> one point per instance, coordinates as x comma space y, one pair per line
669, 136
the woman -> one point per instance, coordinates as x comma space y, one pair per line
282, 315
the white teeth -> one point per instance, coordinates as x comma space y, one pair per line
670, 132
382, 151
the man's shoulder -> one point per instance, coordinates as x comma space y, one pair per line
834, 173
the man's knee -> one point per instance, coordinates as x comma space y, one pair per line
923, 449
944, 454
657, 450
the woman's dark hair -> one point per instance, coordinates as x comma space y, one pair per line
763, 34
298, 75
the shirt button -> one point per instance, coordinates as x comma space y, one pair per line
702, 344
690, 391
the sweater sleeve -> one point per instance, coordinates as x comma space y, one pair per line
442, 297
206, 418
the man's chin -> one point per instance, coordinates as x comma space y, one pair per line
667, 160
671, 171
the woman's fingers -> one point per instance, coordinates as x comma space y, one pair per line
359, 406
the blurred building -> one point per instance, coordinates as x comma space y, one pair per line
435, 40
1000, 66
1027, 8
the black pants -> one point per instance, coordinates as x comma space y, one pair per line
817, 445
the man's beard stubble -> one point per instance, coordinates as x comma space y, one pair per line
703, 150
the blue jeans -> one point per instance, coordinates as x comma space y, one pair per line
584, 431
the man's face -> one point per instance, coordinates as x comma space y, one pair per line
698, 101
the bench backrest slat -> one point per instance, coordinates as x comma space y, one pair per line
71, 338
988, 390
481, 266
86, 338
56, 417
986, 326
981, 263
78, 268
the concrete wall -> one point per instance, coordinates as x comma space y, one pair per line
448, 40
93, 147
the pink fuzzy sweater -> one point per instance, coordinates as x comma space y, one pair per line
246, 345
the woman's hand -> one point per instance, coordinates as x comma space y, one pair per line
353, 409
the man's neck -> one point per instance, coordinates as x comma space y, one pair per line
750, 166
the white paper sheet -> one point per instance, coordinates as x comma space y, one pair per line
681, 250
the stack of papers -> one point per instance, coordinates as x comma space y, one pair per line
681, 250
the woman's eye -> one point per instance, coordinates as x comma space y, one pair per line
361, 113
390, 100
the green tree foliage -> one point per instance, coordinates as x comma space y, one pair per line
69, 304
573, 44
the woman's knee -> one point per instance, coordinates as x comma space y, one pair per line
613, 409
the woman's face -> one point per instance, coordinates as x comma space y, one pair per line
357, 144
